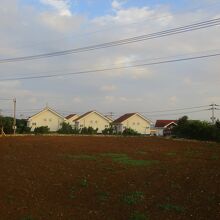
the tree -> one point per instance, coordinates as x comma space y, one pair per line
66, 129
42, 130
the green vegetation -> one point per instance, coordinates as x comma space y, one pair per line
171, 207
133, 198
199, 130
103, 196
126, 160
42, 130
27, 218
130, 132
171, 154
138, 216
7, 123
84, 182
80, 157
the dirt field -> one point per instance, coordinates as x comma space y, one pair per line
113, 178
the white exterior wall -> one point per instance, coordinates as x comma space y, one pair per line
136, 123
159, 131
71, 121
93, 120
46, 118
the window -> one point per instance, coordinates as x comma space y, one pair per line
96, 122
133, 123
81, 126
91, 122
45, 119
106, 126
34, 124
138, 123
50, 119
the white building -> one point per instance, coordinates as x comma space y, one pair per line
71, 119
134, 121
93, 119
164, 127
46, 117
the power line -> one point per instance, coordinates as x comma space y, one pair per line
180, 113
168, 32
114, 68
151, 18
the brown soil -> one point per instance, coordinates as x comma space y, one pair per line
77, 178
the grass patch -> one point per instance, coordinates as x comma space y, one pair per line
138, 216
171, 154
133, 198
84, 182
170, 207
103, 196
72, 193
80, 157
215, 157
27, 218
126, 160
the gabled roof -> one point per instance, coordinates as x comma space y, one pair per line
44, 110
164, 123
70, 116
128, 115
123, 117
88, 113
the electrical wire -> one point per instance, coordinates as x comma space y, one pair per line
169, 32
113, 68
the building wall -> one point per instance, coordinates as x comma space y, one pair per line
136, 123
93, 120
71, 121
159, 131
46, 118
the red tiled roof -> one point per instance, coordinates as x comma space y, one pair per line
163, 123
70, 116
123, 117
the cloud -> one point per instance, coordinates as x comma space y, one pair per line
108, 88
61, 6
116, 5
142, 89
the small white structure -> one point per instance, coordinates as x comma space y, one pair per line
46, 117
93, 119
164, 127
71, 119
134, 121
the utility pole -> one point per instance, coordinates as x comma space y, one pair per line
14, 122
213, 108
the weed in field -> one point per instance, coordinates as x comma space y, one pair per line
172, 154
215, 157
138, 216
84, 182
133, 198
171, 207
27, 218
103, 196
72, 193
133, 162
124, 159
80, 157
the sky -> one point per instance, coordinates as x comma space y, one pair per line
30, 27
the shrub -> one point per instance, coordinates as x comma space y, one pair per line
195, 129
130, 132
89, 130
65, 129
109, 131
42, 130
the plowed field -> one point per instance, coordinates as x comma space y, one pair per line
112, 178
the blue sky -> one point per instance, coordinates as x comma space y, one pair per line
94, 8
